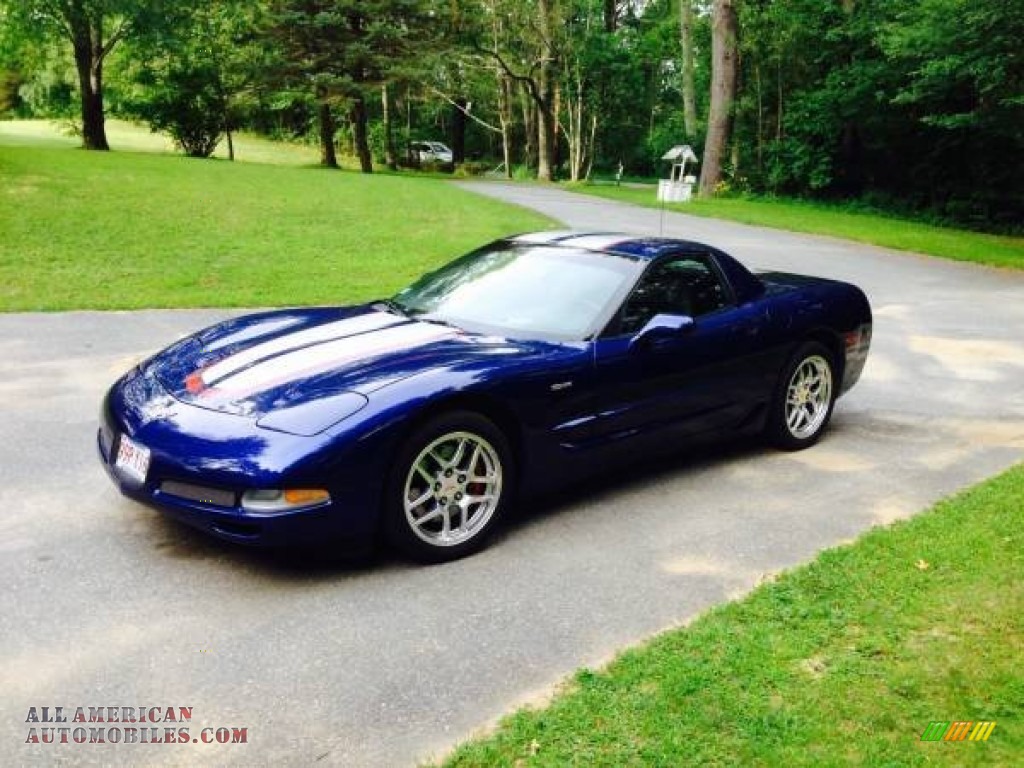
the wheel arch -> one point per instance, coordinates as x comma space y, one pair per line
469, 404
491, 408
831, 340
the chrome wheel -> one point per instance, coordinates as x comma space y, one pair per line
452, 489
808, 397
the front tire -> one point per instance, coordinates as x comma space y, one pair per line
448, 487
804, 399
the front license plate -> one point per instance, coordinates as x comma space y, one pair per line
132, 459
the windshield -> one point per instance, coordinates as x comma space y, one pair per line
525, 291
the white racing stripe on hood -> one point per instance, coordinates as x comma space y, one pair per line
309, 361
350, 326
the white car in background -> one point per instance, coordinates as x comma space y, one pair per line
430, 152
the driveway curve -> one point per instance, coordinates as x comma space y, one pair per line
108, 604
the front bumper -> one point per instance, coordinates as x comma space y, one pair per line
182, 465
294, 528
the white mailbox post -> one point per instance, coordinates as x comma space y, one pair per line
678, 187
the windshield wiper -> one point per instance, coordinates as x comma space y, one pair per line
392, 306
436, 320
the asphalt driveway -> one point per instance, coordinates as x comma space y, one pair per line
108, 604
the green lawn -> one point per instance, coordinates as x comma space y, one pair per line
133, 137
88, 230
844, 661
820, 219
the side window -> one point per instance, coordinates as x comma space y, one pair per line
679, 285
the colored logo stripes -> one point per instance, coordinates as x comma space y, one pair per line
960, 730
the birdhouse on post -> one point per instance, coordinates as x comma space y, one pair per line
678, 187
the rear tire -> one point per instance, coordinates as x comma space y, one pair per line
449, 485
804, 399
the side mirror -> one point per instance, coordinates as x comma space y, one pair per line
661, 330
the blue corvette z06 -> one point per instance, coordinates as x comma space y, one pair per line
531, 361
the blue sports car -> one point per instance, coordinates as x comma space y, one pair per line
524, 364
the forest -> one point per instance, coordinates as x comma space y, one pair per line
914, 107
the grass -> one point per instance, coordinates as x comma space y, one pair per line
122, 230
844, 661
798, 216
124, 136
822, 219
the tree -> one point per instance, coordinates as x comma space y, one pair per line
490, 36
309, 34
186, 100
495, 26
689, 89
531, 60
609, 88
15, 51
723, 93
594, 59
336, 50
544, 91
196, 78
390, 156
94, 28
614, 10
963, 93
582, 47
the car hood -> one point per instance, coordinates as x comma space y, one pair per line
303, 361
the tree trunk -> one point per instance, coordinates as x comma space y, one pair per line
409, 159
574, 119
760, 119
545, 144
529, 129
89, 63
593, 144
556, 138
459, 130
724, 27
227, 124
689, 92
359, 136
94, 132
545, 96
505, 116
575, 124
390, 159
504, 103
778, 99
611, 15
328, 155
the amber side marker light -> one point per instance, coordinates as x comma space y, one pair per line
306, 496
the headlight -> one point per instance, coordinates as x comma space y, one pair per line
274, 501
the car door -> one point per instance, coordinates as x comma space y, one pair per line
696, 381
